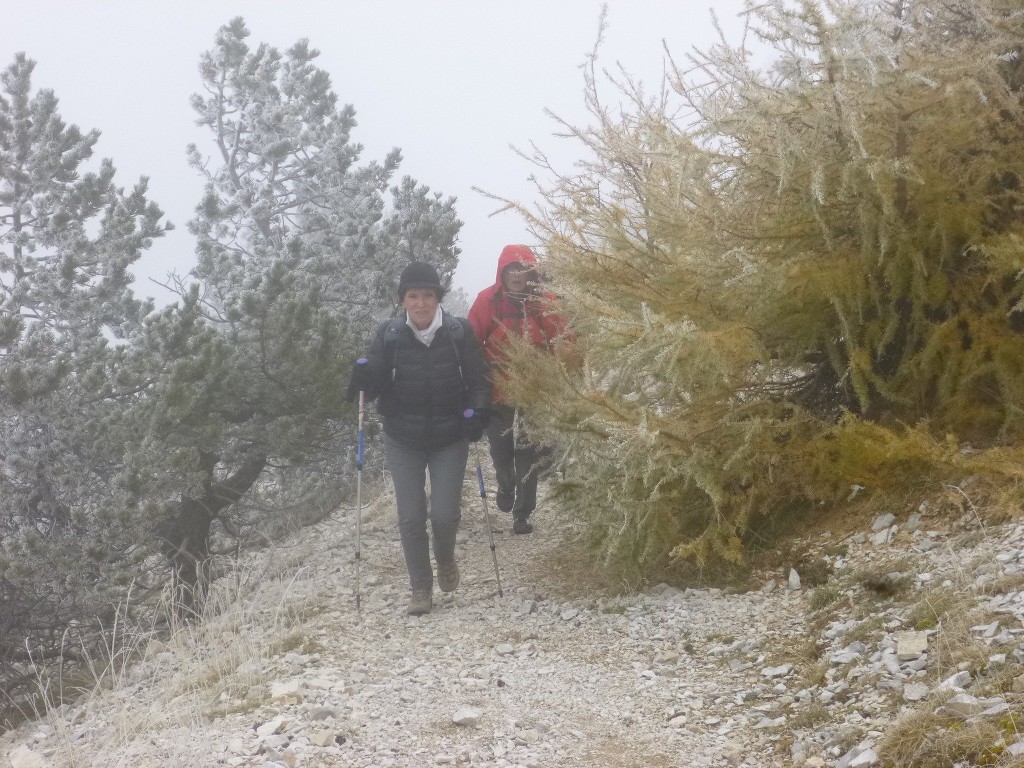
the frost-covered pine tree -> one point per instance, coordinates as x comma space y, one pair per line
283, 182
788, 279
298, 256
419, 225
68, 238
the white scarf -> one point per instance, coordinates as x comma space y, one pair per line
427, 334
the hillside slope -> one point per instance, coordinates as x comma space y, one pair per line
552, 673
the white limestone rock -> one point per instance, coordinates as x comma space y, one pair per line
911, 645
24, 757
286, 691
794, 580
467, 716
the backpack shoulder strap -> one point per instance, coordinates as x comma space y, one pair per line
457, 328
391, 343
457, 332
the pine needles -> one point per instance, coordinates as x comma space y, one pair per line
789, 280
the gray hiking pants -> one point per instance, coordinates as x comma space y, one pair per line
409, 467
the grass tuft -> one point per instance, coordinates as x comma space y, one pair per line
219, 657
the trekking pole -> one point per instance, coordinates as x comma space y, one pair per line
359, 485
487, 515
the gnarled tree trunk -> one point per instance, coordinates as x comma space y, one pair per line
186, 535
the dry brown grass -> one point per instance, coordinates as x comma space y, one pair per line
1004, 583
196, 662
802, 652
810, 716
954, 647
925, 740
936, 603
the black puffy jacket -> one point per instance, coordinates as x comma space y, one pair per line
423, 401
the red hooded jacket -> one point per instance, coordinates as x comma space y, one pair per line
496, 315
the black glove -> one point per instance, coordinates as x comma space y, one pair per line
473, 425
361, 380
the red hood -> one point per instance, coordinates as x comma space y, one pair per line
514, 254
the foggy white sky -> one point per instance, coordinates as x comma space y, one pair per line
453, 83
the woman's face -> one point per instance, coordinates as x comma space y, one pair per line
421, 304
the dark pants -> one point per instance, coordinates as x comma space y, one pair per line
409, 467
516, 463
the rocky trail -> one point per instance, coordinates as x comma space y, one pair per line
552, 673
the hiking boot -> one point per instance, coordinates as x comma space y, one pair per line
522, 525
447, 576
420, 602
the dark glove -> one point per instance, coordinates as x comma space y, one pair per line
361, 380
473, 425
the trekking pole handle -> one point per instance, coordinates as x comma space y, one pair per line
470, 413
362, 401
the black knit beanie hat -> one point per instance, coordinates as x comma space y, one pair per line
419, 274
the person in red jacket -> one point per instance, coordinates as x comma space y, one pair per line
514, 306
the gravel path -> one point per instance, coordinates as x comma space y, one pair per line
549, 674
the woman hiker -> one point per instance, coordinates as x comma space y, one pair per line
429, 372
